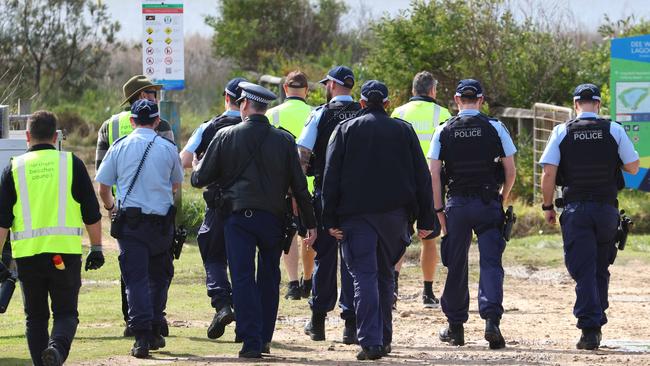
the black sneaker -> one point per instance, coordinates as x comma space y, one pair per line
305, 288
315, 329
164, 328
430, 301
51, 357
157, 341
453, 334
293, 291
141, 346
590, 339
370, 353
387, 349
222, 318
493, 334
350, 332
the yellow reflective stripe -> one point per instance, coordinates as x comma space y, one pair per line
22, 191
45, 231
276, 117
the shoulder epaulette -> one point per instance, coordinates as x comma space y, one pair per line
402, 120
120, 139
287, 131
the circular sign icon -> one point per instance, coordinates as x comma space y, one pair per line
167, 19
149, 60
149, 50
168, 50
150, 70
168, 60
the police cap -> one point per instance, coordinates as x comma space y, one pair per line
469, 88
144, 110
256, 93
232, 88
374, 91
586, 92
341, 75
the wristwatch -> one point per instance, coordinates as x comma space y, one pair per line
547, 208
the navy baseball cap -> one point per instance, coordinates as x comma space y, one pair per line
469, 88
374, 91
341, 75
144, 110
232, 88
586, 92
256, 92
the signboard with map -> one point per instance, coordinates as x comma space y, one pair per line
630, 100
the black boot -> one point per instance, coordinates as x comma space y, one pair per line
223, 317
51, 357
164, 328
493, 334
350, 332
315, 329
266, 348
141, 346
453, 334
128, 333
157, 341
370, 353
293, 291
590, 339
305, 288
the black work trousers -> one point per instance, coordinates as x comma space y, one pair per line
40, 279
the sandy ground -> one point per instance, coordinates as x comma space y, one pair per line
538, 326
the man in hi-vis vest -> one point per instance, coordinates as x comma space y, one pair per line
46, 198
425, 115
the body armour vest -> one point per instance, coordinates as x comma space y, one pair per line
471, 148
333, 114
590, 168
215, 125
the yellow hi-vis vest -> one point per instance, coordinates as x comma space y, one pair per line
47, 219
292, 116
119, 125
425, 117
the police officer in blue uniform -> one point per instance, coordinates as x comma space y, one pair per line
477, 155
312, 146
373, 156
585, 156
254, 165
210, 237
146, 169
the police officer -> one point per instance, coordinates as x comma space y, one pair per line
210, 237
118, 125
292, 115
146, 170
46, 198
254, 165
585, 156
477, 153
425, 115
369, 157
312, 146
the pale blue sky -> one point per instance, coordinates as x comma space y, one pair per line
589, 13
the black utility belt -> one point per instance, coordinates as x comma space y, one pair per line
561, 202
483, 194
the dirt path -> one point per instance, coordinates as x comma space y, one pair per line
538, 326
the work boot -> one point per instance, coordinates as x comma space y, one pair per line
128, 333
293, 291
387, 349
141, 346
222, 318
250, 354
51, 357
453, 334
266, 348
164, 328
590, 339
157, 341
370, 353
493, 334
315, 329
237, 339
350, 332
305, 288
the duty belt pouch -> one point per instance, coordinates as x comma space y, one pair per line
133, 215
117, 224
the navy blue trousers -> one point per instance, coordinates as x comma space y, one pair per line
147, 269
464, 215
324, 289
212, 247
255, 296
371, 246
589, 232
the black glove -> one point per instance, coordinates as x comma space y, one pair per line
95, 259
4, 272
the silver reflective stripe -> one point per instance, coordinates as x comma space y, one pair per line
402, 112
436, 115
22, 191
115, 127
425, 136
29, 234
276, 118
63, 187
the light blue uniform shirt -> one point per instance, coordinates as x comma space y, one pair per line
626, 150
309, 134
506, 141
197, 136
152, 192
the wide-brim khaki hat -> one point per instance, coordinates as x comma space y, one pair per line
135, 85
